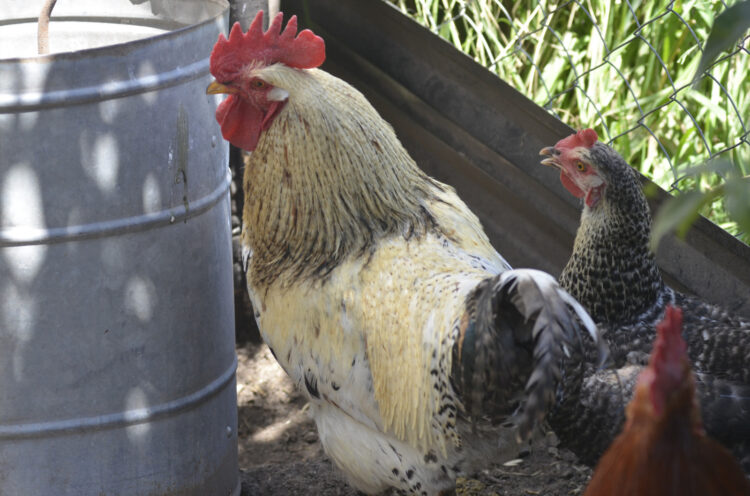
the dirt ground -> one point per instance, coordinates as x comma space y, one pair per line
279, 451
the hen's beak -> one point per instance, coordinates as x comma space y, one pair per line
552, 154
216, 88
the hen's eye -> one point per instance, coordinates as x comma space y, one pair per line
258, 84
581, 166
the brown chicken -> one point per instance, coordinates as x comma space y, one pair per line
663, 449
374, 285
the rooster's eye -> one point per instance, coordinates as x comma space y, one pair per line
581, 166
258, 84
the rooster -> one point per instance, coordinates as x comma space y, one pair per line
663, 449
373, 285
612, 272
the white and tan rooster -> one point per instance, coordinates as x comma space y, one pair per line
373, 284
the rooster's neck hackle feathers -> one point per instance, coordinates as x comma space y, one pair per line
312, 200
612, 270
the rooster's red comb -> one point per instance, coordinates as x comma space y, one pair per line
669, 357
585, 138
303, 51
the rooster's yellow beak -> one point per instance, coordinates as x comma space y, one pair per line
216, 88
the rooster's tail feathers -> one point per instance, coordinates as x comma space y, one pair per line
520, 325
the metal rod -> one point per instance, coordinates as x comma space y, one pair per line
42, 35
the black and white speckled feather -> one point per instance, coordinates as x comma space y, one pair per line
614, 275
518, 326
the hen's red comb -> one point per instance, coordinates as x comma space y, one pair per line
304, 51
668, 357
585, 138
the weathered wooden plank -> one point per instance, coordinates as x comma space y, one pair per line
472, 130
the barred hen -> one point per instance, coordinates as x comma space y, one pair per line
374, 286
663, 449
612, 272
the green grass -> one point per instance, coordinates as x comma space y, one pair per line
624, 69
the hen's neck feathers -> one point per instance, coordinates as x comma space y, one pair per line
327, 180
612, 270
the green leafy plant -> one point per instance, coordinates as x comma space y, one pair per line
624, 68
728, 28
679, 212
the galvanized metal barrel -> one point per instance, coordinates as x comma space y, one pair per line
116, 323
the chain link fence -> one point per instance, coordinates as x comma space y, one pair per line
624, 68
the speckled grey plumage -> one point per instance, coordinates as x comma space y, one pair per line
614, 275
611, 271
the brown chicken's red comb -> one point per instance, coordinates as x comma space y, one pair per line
669, 357
585, 138
304, 51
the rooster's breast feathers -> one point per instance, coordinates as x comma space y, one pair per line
364, 314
